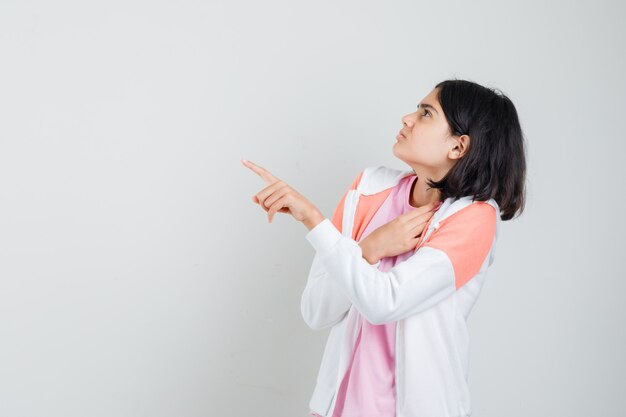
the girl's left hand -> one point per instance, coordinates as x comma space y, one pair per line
280, 197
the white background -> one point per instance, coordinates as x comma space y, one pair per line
137, 278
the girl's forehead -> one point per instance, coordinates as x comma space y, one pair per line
431, 98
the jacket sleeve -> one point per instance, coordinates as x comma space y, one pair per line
452, 255
323, 303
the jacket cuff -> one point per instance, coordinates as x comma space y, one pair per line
323, 236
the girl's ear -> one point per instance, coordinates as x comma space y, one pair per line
461, 147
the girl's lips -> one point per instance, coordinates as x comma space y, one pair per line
399, 136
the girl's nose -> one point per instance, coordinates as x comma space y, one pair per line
408, 120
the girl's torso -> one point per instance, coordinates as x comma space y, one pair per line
368, 386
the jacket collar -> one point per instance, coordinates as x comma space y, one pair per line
380, 177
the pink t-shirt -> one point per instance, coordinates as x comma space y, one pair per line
368, 387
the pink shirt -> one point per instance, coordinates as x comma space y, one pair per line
368, 387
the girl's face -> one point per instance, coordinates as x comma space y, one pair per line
425, 142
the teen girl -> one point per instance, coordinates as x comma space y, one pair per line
402, 261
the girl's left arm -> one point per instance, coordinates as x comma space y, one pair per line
323, 303
452, 255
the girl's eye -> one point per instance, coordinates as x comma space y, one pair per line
425, 112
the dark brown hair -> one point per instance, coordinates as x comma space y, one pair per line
495, 164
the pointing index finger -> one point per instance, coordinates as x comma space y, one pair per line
261, 172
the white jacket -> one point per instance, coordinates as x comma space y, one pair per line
419, 295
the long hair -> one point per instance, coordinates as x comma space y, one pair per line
495, 163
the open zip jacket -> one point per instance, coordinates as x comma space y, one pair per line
429, 296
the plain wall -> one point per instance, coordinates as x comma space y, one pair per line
137, 278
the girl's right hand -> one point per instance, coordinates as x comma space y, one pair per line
399, 235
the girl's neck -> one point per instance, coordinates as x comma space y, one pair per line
421, 194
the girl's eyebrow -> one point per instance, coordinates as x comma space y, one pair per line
428, 106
